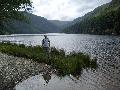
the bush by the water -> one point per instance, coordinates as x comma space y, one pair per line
73, 63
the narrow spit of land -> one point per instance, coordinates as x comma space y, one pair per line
14, 69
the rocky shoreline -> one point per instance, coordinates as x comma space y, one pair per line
15, 69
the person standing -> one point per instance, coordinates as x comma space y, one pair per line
46, 46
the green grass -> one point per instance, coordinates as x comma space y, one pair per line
73, 63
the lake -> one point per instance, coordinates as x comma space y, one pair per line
105, 48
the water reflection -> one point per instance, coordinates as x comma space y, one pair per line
47, 77
54, 82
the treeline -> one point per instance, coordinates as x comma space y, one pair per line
106, 21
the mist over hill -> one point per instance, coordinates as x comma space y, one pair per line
61, 24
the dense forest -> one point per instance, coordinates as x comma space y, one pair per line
103, 20
35, 25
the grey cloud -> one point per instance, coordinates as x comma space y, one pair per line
66, 18
76, 7
85, 8
88, 5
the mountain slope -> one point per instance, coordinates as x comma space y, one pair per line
36, 25
103, 20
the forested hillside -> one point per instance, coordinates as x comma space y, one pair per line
10, 10
36, 24
103, 20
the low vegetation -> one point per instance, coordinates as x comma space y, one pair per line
73, 63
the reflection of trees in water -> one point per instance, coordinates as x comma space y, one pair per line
47, 77
47, 74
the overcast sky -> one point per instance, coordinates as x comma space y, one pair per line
65, 9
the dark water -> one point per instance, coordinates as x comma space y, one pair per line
105, 48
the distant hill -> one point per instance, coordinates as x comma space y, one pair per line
103, 20
61, 24
37, 24
91, 14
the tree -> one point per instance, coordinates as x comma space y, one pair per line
10, 9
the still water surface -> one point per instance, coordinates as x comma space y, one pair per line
105, 48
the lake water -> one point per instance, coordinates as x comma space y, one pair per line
105, 48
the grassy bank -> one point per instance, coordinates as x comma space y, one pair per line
73, 63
